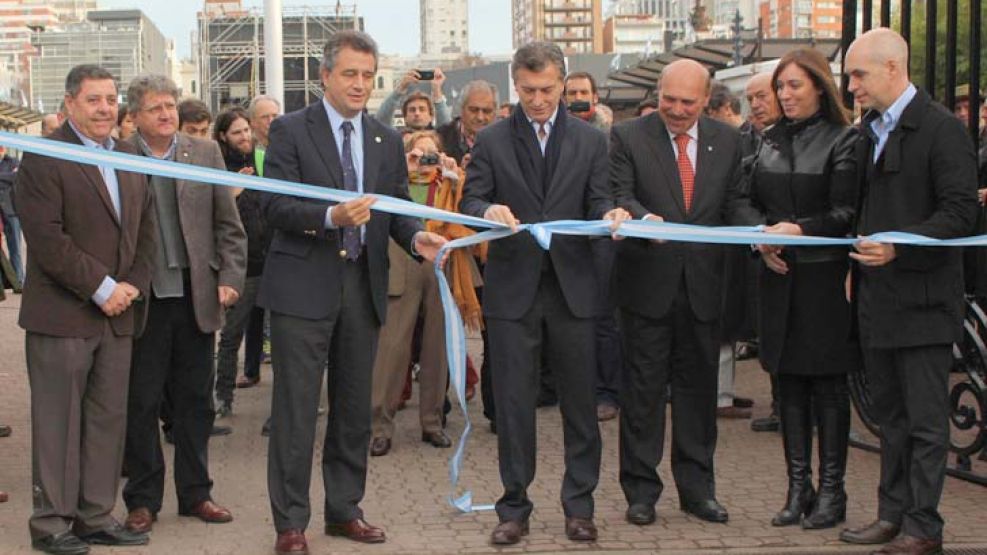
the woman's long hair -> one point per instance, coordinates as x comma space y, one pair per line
817, 67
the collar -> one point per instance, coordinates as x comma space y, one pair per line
336, 119
108, 144
146, 149
550, 122
889, 118
693, 132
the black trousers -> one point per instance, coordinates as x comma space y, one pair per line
300, 349
682, 351
516, 347
609, 357
909, 389
172, 357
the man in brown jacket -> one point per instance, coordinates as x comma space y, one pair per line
90, 261
199, 269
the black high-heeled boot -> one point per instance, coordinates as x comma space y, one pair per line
797, 439
832, 404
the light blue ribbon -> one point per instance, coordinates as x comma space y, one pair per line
542, 233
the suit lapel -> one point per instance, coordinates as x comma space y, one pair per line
183, 155
321, 133
661, 146
524, 151
705, 154
372, 143
91, 172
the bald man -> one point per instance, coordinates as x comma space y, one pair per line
760, 94
918, 175
678, 166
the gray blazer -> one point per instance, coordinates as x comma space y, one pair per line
214, 236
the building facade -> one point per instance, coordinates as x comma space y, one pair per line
125, 42
444, 27
575, 25
786, 19
629, 34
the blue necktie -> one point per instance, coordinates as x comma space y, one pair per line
351, 234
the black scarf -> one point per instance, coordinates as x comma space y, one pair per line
538, 170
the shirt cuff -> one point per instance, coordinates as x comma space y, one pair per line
413, 237
105, 291
328, 221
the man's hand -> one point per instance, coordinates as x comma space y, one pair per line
227, 296
847, 289
246, 170
437, 82
784, 228
871, 253
131, 291
352, 213
982, 196
466, 160
427, 244
119, 300
502, 214
406, 81
616, 216
773, 260
655, 218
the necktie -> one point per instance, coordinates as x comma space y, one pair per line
351, 234
686, 173
541, 132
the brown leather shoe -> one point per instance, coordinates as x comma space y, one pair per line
580, 529
380, 446
4, 497
291, 542
605, 411
140, 520
357, 530
910, 545
437, 439
733, 412
879, 531
509, 532
207, 511
245, 382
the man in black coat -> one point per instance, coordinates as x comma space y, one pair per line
541, 165
677, 166
918, 175
325, 283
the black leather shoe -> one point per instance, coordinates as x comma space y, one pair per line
64, 543
580, 529
5, 430
437, 439
220, 430
265, 430
640, 514
709, 510
769, 423
115, 535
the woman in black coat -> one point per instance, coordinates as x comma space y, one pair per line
804, 183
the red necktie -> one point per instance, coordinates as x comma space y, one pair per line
686, 174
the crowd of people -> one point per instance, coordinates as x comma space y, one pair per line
128, 284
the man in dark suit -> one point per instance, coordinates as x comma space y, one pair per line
91, 231
541, 165
325, 283
199, 270
674, 165
920, 177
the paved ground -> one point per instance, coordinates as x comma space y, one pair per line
407, 490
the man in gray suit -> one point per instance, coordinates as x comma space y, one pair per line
91, 260
200, 265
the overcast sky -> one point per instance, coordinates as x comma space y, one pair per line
394, 23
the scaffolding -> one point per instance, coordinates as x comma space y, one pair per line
231, 53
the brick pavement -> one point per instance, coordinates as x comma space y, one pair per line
407, 489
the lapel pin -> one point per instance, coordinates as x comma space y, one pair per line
377, 140
709, 148
185, 154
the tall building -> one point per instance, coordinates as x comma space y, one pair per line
68, 11
634, 34
724, 11
231, 59
673, 14
125, 42
801, 18
444, 27
575, 25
